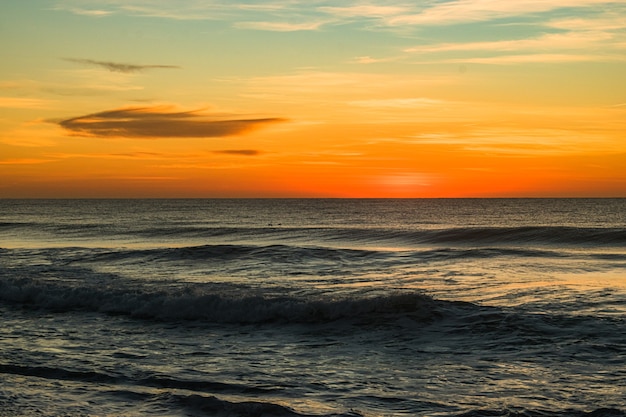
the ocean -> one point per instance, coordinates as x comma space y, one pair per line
313, 307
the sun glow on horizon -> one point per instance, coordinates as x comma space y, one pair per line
301, 99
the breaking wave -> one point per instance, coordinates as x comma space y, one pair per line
201, 397
210, 303
600, 412
455, 236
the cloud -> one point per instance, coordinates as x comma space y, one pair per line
605, 22
385, 14
118, 66
241, 152
147, 156
160, 122
398, 102
349, 86
179, 10
460, 11
520, 141
17, 85
539, 59
24, 103
84, 81
35, 133
571, 40
91, 12
369, 60
280, 26
595, 41
365, 10
24, 161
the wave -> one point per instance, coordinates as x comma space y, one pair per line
221, 252
215, 407
545, 235
529, 234
198, 398
134, 391
152, 381
600, 412
542, 235
211, 303
496, 236
316, 260
230, 304
299, 255
199, 405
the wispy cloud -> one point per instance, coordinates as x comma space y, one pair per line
365, 10
24, 103
161, 122
570, 40
518, 141
187, 10
539, 59
90, 81
344, 86
20, 139
598, 38
239, 152
280, 26
144, 178
133, 155
370, 60
24, 161
389, 14
118, 66
84, 81
31, 134
17, 84
193, 159
604, 22
398, 102
459, 11
90, 12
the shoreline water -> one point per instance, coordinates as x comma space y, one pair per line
373, 308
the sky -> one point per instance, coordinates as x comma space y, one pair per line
312, 98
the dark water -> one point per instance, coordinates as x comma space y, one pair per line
504, 307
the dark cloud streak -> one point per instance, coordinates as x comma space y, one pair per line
160, 122
241, 152
118, 66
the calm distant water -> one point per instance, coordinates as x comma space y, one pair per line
504, 307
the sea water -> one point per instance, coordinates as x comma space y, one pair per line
486, 307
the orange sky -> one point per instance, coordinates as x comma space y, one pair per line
457, 98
